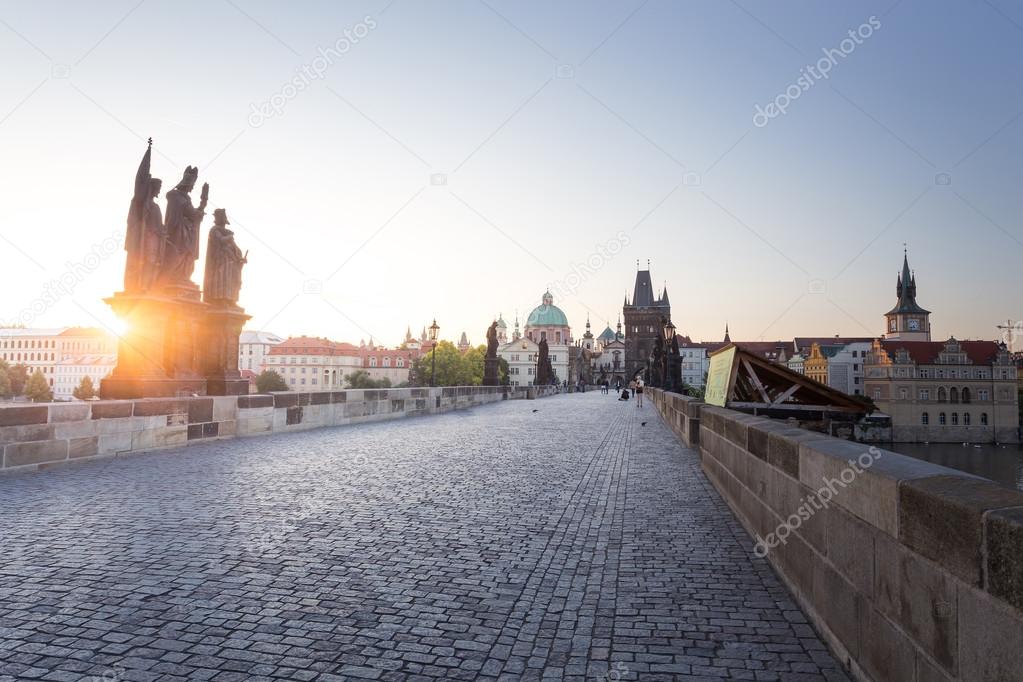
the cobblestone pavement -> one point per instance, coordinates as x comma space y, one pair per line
557, 539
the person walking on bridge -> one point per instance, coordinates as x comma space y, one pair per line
639, 392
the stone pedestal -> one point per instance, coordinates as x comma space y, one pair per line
175, 345
490, 372
223, 325
156, 356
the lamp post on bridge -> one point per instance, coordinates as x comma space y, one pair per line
434, 330
671, 358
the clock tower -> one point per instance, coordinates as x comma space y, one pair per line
907, 321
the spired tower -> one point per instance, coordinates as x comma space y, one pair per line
907, 321
643, 322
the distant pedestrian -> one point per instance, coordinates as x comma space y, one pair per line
632, 387
639, 393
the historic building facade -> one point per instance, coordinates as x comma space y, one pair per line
42, 349
253, 347
940, 391
546, 321
313, 364
644, 322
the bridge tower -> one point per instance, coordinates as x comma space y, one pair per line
643, 321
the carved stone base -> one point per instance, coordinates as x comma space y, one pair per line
490, 372
116, 389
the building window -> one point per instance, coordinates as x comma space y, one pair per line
955, 419
966, 419
966, 394
877, 394
925, 419
953, 395
942, 396
903, 394
941, 418
983, 418
925, 394
983, 394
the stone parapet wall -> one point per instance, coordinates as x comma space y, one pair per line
34, 436
910, 570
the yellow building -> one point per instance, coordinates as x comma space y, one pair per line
816, 365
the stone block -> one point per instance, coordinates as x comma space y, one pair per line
288, 399
942, 518
990, 638
200, 410
153, 406
250, 401
28, 432
838, 604
338, 396
293, 415
69, 412
850, 547
860, 482
168, 436
929, 671
918, 596
35, 452
1003, 570
319, 398
112, 409
80, 429
783, 448
228, 428
24, 414
83, 447
255, 424
115, 442
796, 559
885, 653
120, 425
225, 408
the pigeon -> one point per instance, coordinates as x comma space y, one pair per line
536, 410
642, 423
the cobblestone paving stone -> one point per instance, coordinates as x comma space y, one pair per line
556, 539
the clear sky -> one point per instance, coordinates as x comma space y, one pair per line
455, 159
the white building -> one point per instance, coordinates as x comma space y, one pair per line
42, 349
695, 363
253, 347
312, 364
546, 321
71, 371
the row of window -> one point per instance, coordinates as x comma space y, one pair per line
928, 373
30, 343
925, 419
29, 357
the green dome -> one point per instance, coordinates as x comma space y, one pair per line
547, 314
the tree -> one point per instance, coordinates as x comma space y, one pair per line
5, 384
269, 380
360, 378
37, 389
18, 375
85, 390
452, 368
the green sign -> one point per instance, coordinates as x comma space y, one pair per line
718, 376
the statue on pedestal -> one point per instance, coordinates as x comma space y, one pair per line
145, 236
490, 362
543, 364
222, 280
183, 221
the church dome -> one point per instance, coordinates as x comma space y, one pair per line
547, 314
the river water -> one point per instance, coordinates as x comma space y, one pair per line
1000, 463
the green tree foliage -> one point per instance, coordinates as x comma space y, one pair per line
269, 380
37, 389
18, 374
85, 390
360, 378
5, 384
452, 367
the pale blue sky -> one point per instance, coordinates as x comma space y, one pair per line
559, 127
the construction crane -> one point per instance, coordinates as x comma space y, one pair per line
1011, 331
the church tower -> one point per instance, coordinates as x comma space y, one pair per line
643, 322
907, 321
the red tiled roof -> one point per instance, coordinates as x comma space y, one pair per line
306, 345
926, 352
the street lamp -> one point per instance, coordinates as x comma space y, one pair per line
434, 329
671, 360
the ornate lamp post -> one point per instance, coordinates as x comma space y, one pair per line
670, 356
434, 329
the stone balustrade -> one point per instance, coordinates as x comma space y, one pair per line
911, 571
35, 436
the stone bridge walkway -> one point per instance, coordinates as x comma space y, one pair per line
557, 539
